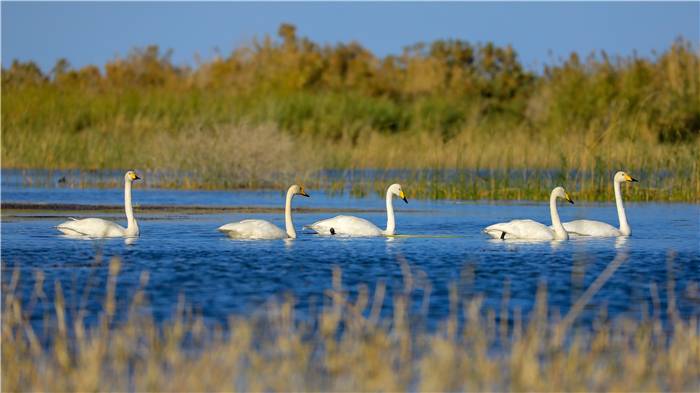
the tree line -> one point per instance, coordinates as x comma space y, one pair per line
430, 87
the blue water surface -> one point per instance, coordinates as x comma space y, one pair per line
445, 247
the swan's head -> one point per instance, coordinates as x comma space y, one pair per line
396, 190
131, 176
560, 192
298, 190
622, 176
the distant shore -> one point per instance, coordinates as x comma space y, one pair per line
14, 207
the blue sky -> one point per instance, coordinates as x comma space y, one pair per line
94, 33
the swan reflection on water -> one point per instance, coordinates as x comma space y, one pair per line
131, 240
621, 242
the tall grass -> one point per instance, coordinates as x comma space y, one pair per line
298, 107
347, 346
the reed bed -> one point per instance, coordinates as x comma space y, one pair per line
464, 184
276, 111
349, 345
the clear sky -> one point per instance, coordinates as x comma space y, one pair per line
93, 33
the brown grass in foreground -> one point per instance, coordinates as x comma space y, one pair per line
348, 347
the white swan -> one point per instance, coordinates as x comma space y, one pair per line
97, 227
601, 229
263, 230
532, 230
355, 226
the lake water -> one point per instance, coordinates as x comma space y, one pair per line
184, 254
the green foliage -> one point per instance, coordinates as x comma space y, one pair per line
657, 98
320, 90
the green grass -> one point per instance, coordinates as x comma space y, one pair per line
348, 346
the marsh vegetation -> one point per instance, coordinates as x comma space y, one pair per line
279, 110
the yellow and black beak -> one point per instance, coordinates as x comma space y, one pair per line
403, 196
568, 198
303, 193
136, 177
630, 179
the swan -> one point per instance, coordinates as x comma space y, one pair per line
532, 230
355, 226
265, 230
602, 229
97, 227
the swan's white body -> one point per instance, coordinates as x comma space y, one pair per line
97, 227
533, 230
255, 229
347, 226
355, 226
602, 229
265, 230
592, 228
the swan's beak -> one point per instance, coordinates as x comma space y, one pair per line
136, 177
630, 178
568, 198
403, 196
303, 193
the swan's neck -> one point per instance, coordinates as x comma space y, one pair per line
390, 222
132, 227
624, 226
288, 223
559, 231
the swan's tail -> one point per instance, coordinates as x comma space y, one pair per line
320, 230
69, 231
234, 234
63, 226
311, 228
70, 218
227, 227
495, 233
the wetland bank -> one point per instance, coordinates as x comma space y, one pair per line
282, 110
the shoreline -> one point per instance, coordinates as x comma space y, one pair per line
12, 207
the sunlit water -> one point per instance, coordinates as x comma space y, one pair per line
184, 254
